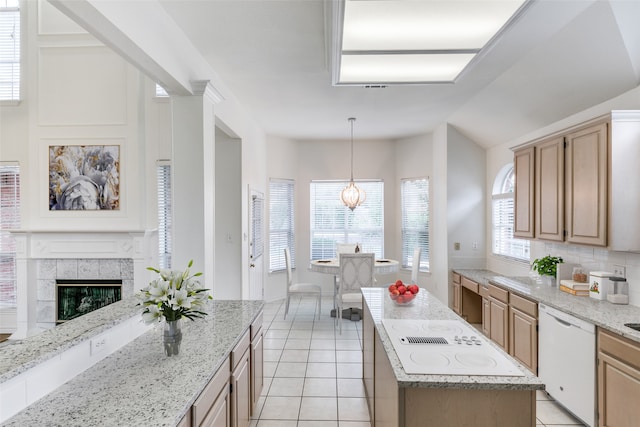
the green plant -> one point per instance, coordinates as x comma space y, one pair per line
546, 266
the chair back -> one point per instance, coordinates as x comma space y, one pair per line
287, 260
356, 271
415, 266
345, 248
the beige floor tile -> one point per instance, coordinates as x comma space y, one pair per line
269, 368
322, 344
290, 369
319, 387
294, 355
354, 424
300, 334
274, 343
271, 355
350, 387
281, 408
321, 370
297, 344
348, 345
323, 423
277, 423
549, 413
353, 409
318, 408
266, 383
542, 395
349, 370
348, 356
327, 356
286, 387
323, 334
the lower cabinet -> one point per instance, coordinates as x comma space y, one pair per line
368, 340
457, 294
257, 361
618, 380
523, 331
499, 316
213, 407
241, 383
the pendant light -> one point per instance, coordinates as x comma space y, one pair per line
351, 195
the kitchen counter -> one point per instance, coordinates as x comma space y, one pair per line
138, 384
603, 314
427, 306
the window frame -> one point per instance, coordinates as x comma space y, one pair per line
8, 250
322, 240
277, 262
407, 231
504, 191
16, 85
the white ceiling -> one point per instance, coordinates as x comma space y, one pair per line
559, 58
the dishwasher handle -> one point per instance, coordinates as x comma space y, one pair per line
567, 319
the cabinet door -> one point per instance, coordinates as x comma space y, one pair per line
549, 217
486, 317
220, 413
241, 393
457, 298
586, 185
523, 338
499, 323
257, 368
368, 339
524, 192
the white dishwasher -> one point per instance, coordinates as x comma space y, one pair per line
567, 361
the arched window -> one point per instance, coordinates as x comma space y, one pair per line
504, 244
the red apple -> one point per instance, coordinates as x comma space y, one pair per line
399, 282
402, 289
414, 289
392, 287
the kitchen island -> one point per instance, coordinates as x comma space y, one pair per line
397, 398
138, 385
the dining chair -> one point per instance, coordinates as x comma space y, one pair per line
345, 248
302, 289
356, 271
415, 266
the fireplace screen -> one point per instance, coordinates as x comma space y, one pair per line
77, 297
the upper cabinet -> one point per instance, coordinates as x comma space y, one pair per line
581, 185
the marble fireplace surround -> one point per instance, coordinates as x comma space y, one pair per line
44, 256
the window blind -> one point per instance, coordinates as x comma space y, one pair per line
414, 194
503, 219
9, 50
9, 219
160, 92
257, 207
281, 223
332, 222
165, 241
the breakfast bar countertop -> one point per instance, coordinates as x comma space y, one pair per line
601, 313
427, 307
138, 384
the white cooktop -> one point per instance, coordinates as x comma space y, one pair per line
446, 347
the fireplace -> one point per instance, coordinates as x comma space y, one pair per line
77, 297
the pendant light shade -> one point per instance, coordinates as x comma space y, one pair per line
352, 195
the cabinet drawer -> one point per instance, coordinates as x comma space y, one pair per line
484, 291
499, 293
524, 305
620, 348
239, 350
256, 325
208, 396
470, 284
456, 278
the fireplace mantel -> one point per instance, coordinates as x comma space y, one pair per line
36, 246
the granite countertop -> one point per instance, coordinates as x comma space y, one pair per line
20, 355
138, 383
603, 314
427, 306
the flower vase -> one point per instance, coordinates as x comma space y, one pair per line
172, 337
548, 280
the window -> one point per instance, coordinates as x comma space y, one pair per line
165, 241
9, 50
160, 92
504, 243
281, 223
332, 222
414, 195
9, 219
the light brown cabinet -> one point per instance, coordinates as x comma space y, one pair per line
499, 316
586, 185
561, 189
457, 295
241, 383
213, 407
257, 361
523, 331
368, 342
618, 380
524, 167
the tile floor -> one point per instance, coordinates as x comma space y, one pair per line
313, 375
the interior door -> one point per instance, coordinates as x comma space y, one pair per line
256, 244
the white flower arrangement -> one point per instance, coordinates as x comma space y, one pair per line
173, 295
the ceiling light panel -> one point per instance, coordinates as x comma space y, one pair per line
423, 24
390, 69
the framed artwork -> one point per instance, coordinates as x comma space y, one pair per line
84, 177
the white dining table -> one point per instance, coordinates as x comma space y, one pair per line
332, 266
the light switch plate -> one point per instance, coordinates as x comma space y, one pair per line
619, 271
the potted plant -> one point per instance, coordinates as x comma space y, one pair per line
546, 267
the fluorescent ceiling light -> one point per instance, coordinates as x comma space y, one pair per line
404, 32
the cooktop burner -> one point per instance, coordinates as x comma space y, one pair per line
445, 347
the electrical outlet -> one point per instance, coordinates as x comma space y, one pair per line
474, 246
619, 271
456, 246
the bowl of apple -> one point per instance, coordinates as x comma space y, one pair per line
403, 294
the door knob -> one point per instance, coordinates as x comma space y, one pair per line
252, 265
